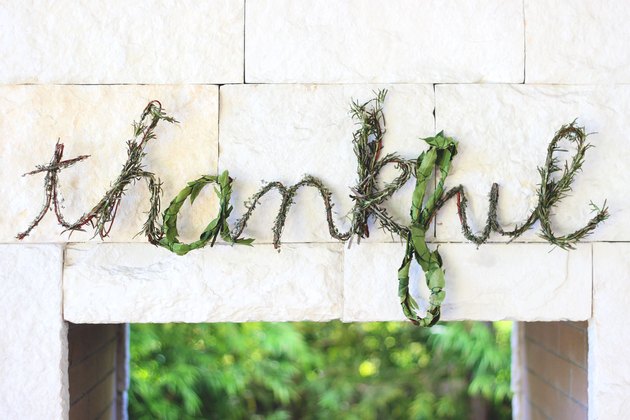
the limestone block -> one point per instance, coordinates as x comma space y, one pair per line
503, 134
113, 283
577, 42
523, 282
282, 132
121, 42
34, 356
96, 120
608, 335
372, 41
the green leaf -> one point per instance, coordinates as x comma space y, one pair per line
195, 190
245, 241
210, 230
224, 178
439, 141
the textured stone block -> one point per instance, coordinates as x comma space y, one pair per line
96, 120
503, 134
34, 355
121, 42
575, 42
497, 281
281, 132
404, 41
140, 283
608, 335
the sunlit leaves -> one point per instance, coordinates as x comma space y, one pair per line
318, 371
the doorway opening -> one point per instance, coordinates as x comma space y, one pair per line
327, 370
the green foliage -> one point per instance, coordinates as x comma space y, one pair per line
483, 349
440, 154
318, 371
218, 226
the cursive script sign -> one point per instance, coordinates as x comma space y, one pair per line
368, 198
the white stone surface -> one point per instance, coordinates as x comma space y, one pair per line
113, 283
121, 42
608, 334
518, 374
523, 282
575, 42
362, 41
503, 133
96, 120
282, 132
34, 342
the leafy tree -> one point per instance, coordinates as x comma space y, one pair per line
319, 371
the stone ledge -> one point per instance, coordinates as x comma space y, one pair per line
113, 283
523, 282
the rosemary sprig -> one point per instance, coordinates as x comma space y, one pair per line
101, 217
51, 182
367, 145
550, 192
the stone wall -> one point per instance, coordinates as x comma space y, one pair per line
33, 343
262, 88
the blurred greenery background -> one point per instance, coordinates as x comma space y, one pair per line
384, 370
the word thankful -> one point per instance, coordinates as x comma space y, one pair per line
368, 197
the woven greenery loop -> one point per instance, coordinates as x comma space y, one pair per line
440, 154
218, 226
